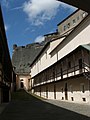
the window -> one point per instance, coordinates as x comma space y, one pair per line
64, 28
72, 98
83, 15
78, 18
68, 25
84, 99
74, 21
21, 80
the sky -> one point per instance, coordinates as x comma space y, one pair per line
27, 21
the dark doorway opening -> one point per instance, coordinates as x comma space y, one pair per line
46, 92
66, 92
22, 85
54, 91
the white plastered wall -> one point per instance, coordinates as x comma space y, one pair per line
80, 36
76, 91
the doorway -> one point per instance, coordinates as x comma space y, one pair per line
22, 85
66, 92
46, 91
54, 91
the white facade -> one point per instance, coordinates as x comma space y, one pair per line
60, 70
75, 92
67, 25
78, 37
51, 84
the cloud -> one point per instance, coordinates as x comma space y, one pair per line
27, 29
40, 10
5, 3
6, 27
32, 30
17, 8
39, 39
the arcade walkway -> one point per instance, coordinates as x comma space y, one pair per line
27, 107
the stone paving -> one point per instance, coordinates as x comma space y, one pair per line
81, 108
28, 107
2, 107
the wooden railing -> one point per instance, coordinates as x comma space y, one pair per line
73, 71
87, 71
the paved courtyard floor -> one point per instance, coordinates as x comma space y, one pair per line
27, 107
81, 108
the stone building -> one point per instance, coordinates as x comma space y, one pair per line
7, 75
62, 69
21, 59
68, 24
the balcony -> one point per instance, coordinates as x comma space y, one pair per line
80, 69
